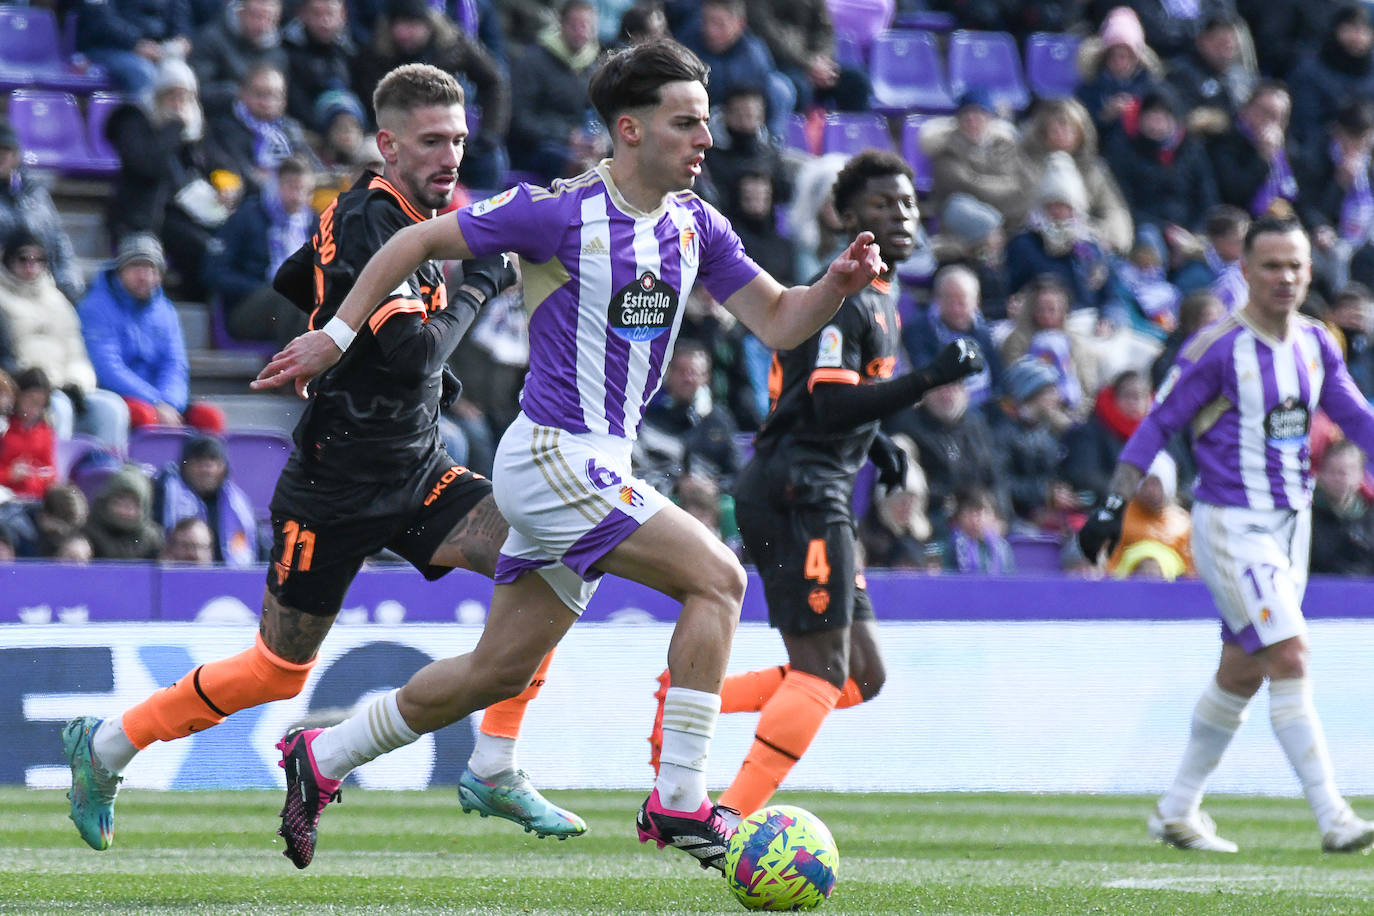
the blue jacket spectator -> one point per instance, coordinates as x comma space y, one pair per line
199, 486
721, 38
954, 314
130, 37
135, 341
1117, 68
1341, 69
1058, 239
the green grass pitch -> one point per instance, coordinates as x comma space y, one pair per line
415, 852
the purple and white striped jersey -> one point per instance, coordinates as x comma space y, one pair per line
604, 285
1250, 400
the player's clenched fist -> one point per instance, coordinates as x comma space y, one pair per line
958, 359
1103, 528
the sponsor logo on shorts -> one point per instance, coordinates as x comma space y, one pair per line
600, 477
442, 483
630, 498
819, 599
642, 310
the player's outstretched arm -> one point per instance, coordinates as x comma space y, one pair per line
783, 318
315, 351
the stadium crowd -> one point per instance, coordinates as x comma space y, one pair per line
1078, 240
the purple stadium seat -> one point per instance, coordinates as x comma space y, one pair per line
861, 19
68, 452
52, 132
90, 478
926, 21
221, 339
849, 132
906, 73
256, 459
98, 111
914, 155
30, 54
989, 60
848, 50
1052, 64
796, 134
156, 446
1035, 554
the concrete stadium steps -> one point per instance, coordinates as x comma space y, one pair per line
254, 410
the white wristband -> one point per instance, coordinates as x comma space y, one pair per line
339, 332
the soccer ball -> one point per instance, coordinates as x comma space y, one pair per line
781, 858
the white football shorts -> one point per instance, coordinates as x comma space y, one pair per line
570, 498
1254, 562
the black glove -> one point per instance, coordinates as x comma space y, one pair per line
958, 359
890, 461
450, 388
1103, 528
490, 275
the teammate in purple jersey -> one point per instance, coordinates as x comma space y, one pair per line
608, 258
1248, 386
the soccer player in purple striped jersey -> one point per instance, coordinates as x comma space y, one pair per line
1248, 385
608, 258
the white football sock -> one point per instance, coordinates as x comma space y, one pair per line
112, 748
366, 735
1300, 733
689, 721
492, 756
1216, 718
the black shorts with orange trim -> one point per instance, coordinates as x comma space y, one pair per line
322, 533
807, 561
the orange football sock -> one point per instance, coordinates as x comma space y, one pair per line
502, 720
789, 722
850, 695
207, 695
748, 692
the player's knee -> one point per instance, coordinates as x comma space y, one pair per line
725, 580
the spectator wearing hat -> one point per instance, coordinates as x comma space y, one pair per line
46, 335
721, 37
130, 38
120, 526
971, 236
245, 36
975, 152
1215, 76
341, 145
26, 203
244, 256
1168, 25
1063, 125
1341, 69
163, 186
1057, 238
1165, 173
253, 137
198, 485
134, 339
1024, 426
320, 58
1117, 67
411, 32
1252, 162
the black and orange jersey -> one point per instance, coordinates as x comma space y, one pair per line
373, 414
858, 346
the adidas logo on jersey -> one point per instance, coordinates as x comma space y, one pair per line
595, 246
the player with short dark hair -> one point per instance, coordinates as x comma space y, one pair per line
609, 259
795, 497
368, 472
1247, 386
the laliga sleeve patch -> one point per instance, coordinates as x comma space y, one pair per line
492, 203
830, 350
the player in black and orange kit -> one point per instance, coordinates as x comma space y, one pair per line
794, 498
368, 472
